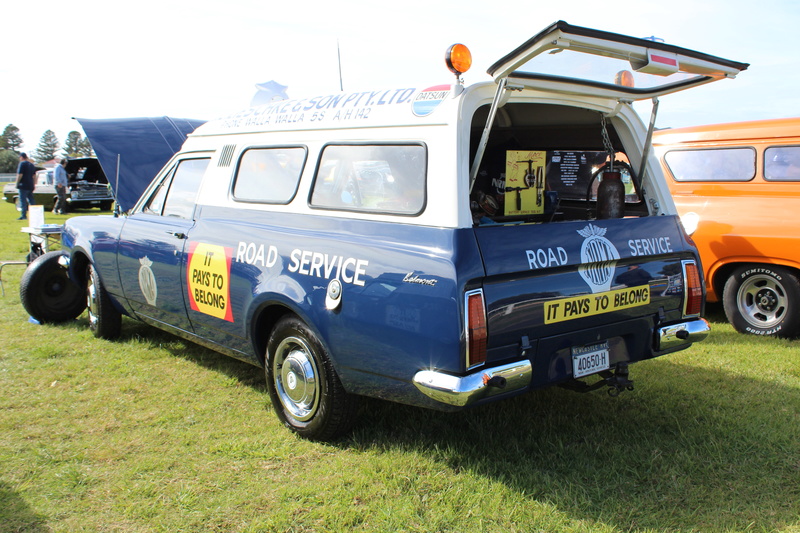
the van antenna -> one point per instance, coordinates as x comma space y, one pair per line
115, 188
339, 56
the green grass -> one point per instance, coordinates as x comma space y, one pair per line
151, 433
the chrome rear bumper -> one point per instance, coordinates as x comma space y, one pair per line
682, 335
463, 391
488, 382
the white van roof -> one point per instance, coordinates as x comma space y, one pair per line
414, 106
403, 106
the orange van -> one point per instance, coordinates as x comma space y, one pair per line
737, 189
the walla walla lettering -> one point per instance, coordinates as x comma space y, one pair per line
295, 110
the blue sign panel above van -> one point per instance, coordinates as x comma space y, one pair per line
441, 247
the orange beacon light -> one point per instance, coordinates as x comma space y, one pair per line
458, 59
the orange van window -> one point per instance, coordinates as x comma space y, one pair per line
712, 164
782, 163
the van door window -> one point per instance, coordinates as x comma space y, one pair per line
155, 205
782, 163
269, 175
715, 164
183, 189
388, 179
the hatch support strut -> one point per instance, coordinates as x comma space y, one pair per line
473, 171
647, 144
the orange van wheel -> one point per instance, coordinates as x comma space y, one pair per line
763, 300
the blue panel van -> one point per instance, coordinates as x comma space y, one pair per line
441, 246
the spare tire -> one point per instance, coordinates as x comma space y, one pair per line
47, 292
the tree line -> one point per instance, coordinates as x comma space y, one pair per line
11, 144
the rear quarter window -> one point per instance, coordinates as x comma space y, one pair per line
269, 175
385, 178
782, 163
712, 164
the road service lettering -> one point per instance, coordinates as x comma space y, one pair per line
305, 262
546, 257
656, 245
320, 265
252, 254
208, 277
595, 304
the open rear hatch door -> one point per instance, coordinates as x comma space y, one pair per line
659, 68
612, 67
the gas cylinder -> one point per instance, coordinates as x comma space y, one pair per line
611, 196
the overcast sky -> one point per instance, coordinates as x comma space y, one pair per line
202, 59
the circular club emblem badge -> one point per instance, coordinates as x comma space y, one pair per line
429, 99
147, 281
598, 258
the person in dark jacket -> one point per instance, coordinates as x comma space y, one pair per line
25, 183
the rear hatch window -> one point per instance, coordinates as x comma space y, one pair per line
610, 64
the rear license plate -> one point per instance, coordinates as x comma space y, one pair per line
588, 360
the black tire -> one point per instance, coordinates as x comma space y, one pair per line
763, 300
105, 321
47, 293
303, 385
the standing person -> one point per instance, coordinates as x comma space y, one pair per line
61, 182
25, 183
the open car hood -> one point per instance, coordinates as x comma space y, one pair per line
674, 68
93, 172
133, 150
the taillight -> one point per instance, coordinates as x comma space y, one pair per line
693, 293
475, 325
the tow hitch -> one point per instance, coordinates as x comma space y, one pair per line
616, 381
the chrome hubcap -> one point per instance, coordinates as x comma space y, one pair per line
91, 302
296, 378
762, 301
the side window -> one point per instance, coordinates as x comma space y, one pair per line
269, 175
715, 164
183, 189
156, 203
782, 163
388, 179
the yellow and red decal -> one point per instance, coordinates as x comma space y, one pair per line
208, 276
595, 304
